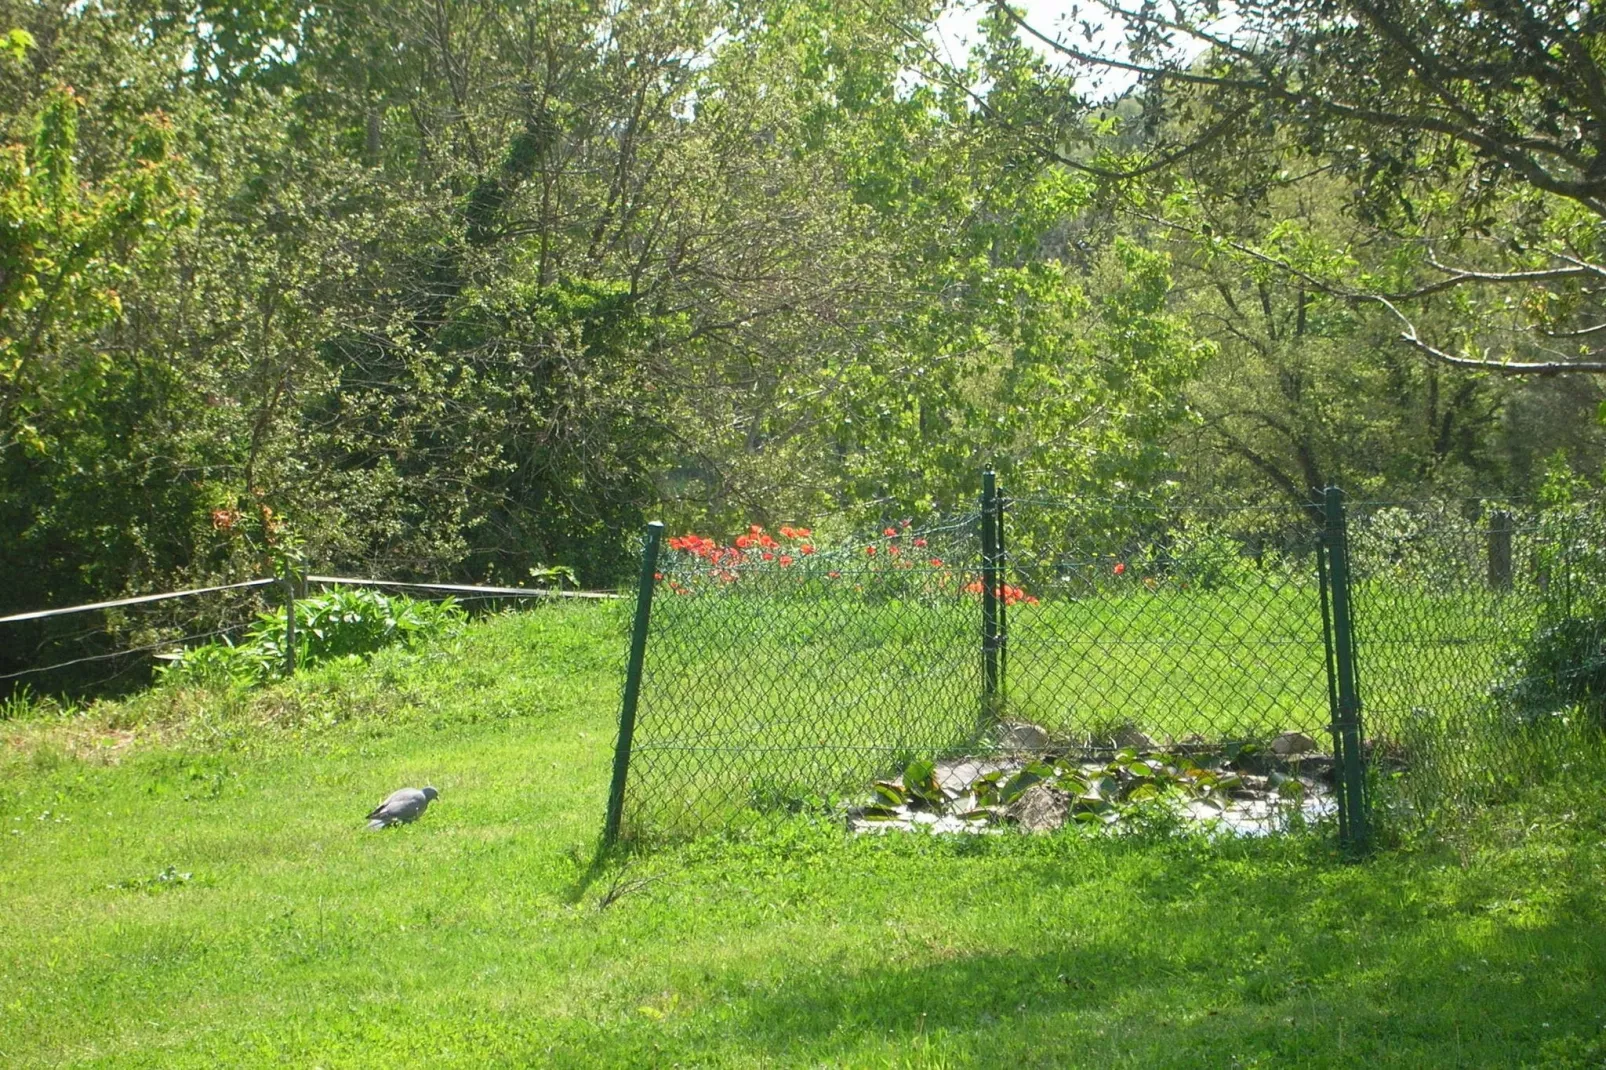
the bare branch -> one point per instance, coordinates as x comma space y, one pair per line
1409, 334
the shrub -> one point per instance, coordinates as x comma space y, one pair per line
338, 623
1562, 666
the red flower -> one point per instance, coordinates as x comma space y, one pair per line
786, 532
834, 574
768, 556
936, 562
974, 587
1120, 567
1014, 595
744, 541
786, 559
870, 550
920, 542
801, 533
805, 549
891, 533
755, 529
893, 550
658, 575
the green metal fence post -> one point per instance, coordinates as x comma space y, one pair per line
1346, 711
638, 655
1323, 585
989, 593
1001, 604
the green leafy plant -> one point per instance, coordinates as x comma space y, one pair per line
342, 622
1563, 663
1130, 779
1203, 555
559, 576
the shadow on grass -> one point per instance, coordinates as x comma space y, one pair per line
1251, 956
604, 856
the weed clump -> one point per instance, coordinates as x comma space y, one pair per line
340, 623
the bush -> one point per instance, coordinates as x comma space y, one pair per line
1562, 666
339, 623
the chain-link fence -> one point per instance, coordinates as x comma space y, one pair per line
1164, 631
1479, 630
1275, 664
794, 674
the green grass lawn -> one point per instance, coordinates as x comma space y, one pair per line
479, 935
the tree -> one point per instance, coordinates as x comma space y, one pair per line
1472, 135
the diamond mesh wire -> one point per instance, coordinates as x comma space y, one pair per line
793, 681
1453, 605
1166, 631
775, 684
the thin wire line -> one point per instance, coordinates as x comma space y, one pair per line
121, 653
40, 614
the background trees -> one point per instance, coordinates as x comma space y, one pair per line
1369, 204
467, 288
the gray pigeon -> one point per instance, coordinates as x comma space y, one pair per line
402, 807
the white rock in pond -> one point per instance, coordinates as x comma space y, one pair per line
1289, 744
956, 775
1022, 736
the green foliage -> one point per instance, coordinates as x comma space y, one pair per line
1204, 555
16, 44
340, 623
703, 260
1561, 669
65, 248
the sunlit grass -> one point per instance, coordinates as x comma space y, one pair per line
475, 937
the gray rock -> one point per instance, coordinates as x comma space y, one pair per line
1129, 735
1291, 743
1022, 736
401, 807
1041, 808
955, 776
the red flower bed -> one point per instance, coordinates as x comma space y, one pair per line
756, 549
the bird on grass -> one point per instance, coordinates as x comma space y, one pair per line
402, 807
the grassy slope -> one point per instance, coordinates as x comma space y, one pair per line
476, 936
